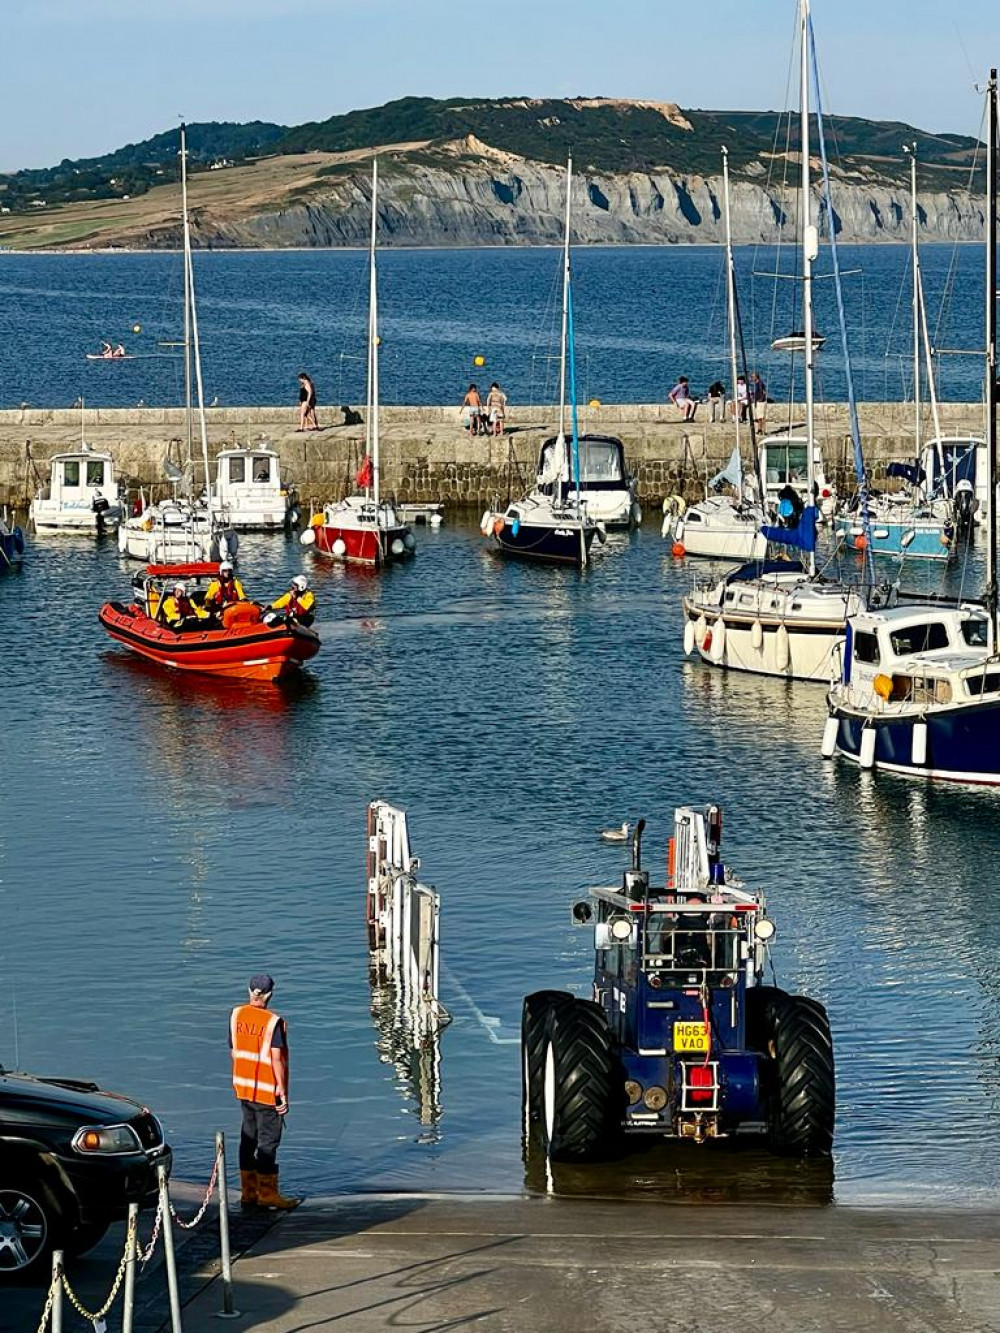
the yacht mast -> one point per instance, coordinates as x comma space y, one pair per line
731, 305
810, 249
187, 310
371, 442
991, 358
564, 334
193, 316
921, 334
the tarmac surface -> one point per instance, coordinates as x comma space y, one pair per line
429, 1263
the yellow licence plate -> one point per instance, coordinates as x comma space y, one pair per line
690, 1037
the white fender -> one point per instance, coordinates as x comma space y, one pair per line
700, 630
782, 649
668, 523
718, 650
340, 547
867, 756
636, 513
688, 638
436, 520
757, 636
397, 547
307, 536
918, 754
830, 732
123, 539
410, 542
679, 530
486, 522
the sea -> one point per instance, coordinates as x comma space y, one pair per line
448, 318
163, 838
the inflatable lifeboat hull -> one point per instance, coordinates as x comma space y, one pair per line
245, 651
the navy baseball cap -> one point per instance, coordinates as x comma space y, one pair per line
261, 983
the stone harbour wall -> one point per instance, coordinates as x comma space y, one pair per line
426, 455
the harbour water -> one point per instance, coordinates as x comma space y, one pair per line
161, 839
643, 316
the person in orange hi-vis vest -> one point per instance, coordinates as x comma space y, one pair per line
258, 1040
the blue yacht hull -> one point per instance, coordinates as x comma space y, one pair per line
569, 545
929, 540
11, 549
963, 743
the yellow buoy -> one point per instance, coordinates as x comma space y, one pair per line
136, 328
479, 361
594, 402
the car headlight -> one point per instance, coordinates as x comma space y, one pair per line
106, 1139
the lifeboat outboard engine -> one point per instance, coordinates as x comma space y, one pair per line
964, 506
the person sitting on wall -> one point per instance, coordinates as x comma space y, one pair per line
180, 613
680, 396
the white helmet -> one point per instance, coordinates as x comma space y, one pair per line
180, 587
301, 582
226, 567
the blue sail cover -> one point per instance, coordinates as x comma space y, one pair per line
911, 472
802, 536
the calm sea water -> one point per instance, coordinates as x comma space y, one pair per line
161, 839
643, 316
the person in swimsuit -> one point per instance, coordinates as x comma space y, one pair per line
472, 411
307, 403
496, 408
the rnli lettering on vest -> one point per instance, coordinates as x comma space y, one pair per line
252, 1031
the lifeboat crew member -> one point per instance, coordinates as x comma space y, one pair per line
225, 590
297, 604
178, 610
258, 1040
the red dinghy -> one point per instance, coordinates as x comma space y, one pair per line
244, 647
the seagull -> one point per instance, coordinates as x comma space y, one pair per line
215, 401
615, 834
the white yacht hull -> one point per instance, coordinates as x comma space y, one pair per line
73, 521
730, 544
808, 652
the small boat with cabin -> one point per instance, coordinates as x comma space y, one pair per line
606, 487
242, 646
249, 489
82, 495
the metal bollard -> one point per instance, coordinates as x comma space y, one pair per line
128, 1299
228, 1311
57, 1263
170, 1259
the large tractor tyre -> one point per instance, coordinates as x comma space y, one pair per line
583, 1085
801, 1082
536, 1015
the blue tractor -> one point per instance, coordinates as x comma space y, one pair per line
682, 1038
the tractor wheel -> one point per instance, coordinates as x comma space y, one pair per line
536, 1013
583, 1089
801, 1092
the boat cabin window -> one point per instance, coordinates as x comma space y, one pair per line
237, 471
975, 632
262, 469
866, 647
920, 690
691, 942
984, 683
730, 596
71, 472
786, 463
599, 461
692, 517
95, 472
919, 638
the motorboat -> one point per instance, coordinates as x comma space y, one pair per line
364, 529
919, 687
82, 494
11, 543
552, 524
721, 527
175, 531
606, 488
242, 647
788, 461
249, 489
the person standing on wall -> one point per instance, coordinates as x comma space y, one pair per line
258, 1040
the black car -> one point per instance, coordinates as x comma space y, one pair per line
72, 1159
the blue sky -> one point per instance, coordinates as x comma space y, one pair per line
85, 76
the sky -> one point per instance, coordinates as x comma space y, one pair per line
85, 76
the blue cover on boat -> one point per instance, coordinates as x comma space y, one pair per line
910, 472
753, 569
802, 536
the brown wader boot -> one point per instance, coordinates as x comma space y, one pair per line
248, 1189
268, 1196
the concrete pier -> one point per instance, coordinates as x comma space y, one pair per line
427, 456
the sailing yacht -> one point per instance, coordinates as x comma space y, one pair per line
178, 530
364, 529
780, 617
914, 521
551, 523
726, 526
919, 688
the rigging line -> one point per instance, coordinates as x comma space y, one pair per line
859, 462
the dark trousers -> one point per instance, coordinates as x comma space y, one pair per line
259, 1138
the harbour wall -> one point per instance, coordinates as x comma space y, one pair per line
426, 455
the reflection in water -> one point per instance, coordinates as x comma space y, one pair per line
415, 1056
717, 1171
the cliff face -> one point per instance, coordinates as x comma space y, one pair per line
475, 195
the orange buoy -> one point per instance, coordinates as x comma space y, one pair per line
860, 542
706, 643
498, 526
678, 549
